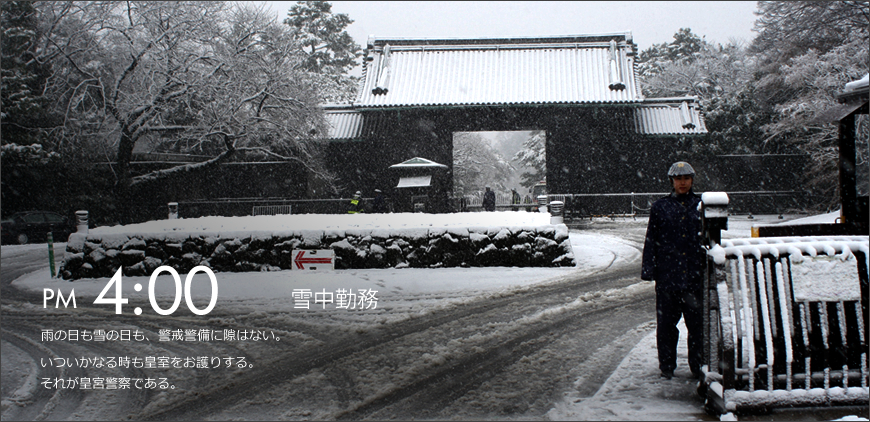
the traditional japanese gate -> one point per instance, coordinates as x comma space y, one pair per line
582, 91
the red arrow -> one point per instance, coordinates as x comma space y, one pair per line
300, 260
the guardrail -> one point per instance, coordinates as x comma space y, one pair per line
633, 204
271, 209
502, 200
785, 322
261, 206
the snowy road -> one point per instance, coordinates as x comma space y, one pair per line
447, 343
495, 357
509, 353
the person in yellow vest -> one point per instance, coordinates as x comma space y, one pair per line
356, 204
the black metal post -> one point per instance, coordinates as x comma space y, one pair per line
848, 182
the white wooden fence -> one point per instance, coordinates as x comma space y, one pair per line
785, 323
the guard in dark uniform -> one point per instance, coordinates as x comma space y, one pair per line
674, 257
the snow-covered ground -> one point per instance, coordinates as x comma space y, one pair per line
633, 392
400, 292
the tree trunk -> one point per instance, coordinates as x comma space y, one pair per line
122, 183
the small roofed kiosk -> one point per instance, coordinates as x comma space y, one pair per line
580, 90
854, 217
421, 187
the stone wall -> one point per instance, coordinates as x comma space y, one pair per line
90, 256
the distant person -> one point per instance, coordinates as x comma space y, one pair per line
674, 257
356, 204
516, 199
379, 204
489, 200
528, 201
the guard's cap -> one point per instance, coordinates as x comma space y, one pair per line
681, 168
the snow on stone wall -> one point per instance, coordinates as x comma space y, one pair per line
100, 255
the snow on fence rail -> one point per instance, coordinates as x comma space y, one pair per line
501, 200
786, 323
639, 203
271, 209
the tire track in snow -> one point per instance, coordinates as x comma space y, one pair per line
283, 367
21, 325
425, 398
208, 396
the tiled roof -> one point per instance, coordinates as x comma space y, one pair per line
678, 116
651, 118
582, 70
344, 122
418, 162
567, 70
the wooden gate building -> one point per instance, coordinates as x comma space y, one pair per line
602, 134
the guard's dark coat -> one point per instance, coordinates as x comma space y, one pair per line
674, 258
672, 252
489, 200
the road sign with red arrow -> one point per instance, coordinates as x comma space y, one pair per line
322, 259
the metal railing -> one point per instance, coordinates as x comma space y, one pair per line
272, 209
585, 205
501, 200
261, 206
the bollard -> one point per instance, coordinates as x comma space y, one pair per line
173, 210
50, 238
82, 222
714, 216
542, 203
556, 208
714, 219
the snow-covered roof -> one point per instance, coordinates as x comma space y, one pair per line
344, 122
672, 116
577, 69
458, 72
418, 162
855, 95
677, 117
862, 83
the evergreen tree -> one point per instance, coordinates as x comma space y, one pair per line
806, 53
477, 164
329, 50
685, 48
533, 155
721, 78
23, 77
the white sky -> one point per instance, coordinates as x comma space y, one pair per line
650, 22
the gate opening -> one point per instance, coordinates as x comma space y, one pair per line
506, 161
